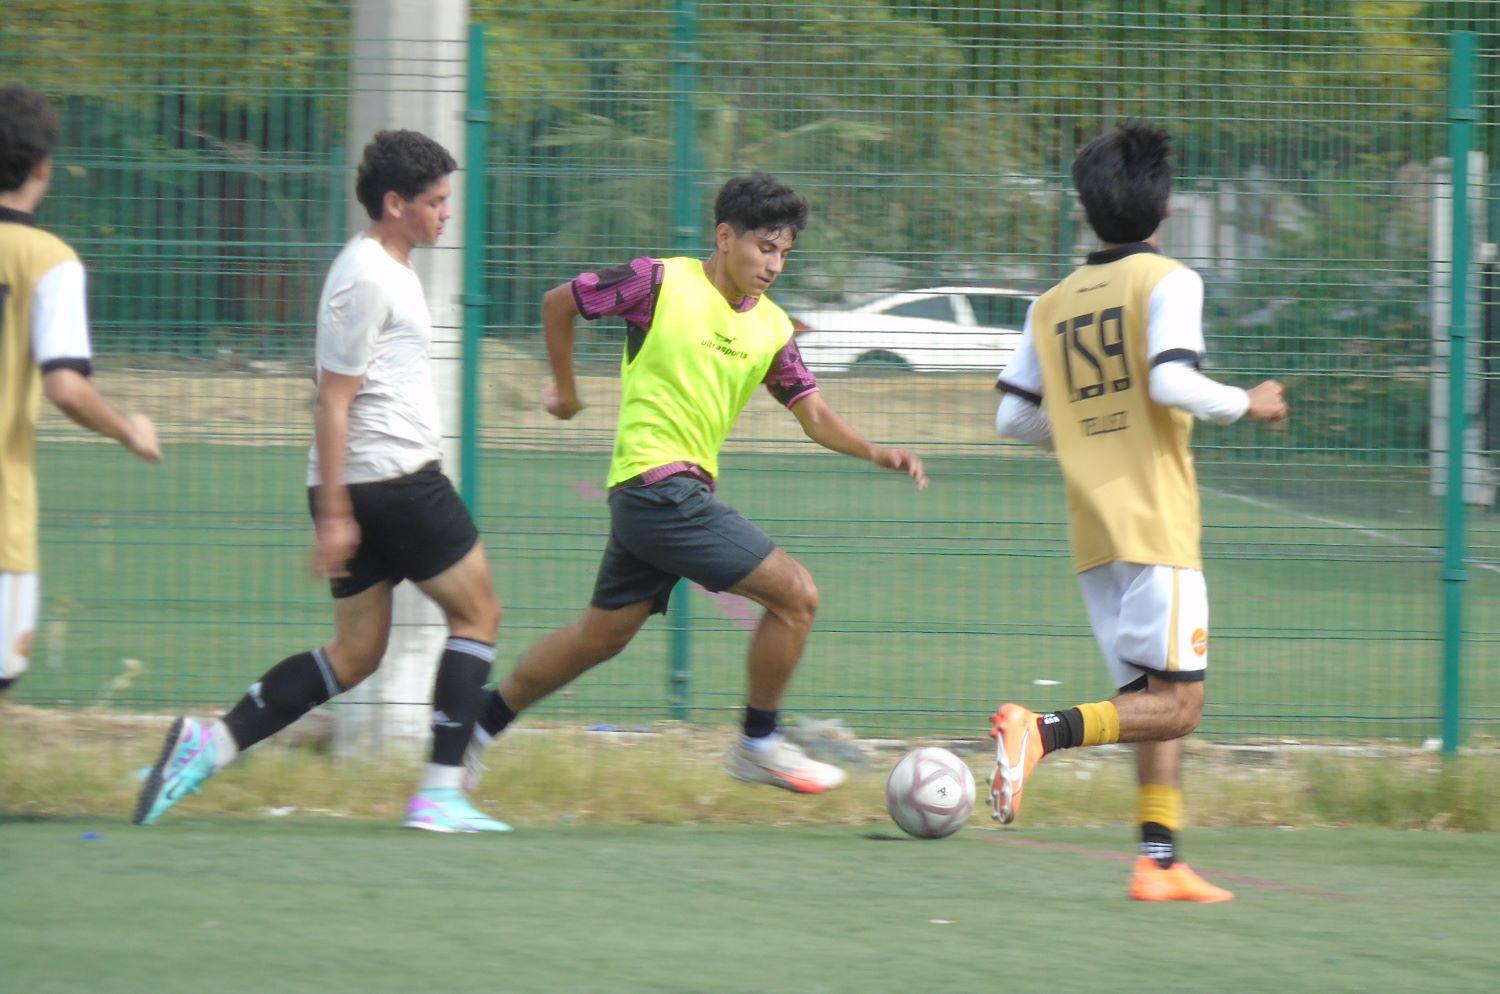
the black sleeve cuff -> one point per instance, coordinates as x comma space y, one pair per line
84, 367
1026, 395
1179, 355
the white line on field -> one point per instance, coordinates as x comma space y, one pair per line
1374, 533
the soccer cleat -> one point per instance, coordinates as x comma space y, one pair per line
1177, 882
448, 810
187, 759
783, 764
1018, 748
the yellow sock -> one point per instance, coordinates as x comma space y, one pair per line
1101, 723
1161, 804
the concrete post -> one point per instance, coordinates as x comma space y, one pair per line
407, 70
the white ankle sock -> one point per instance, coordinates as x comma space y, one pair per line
225, 747
438, 777
762, 744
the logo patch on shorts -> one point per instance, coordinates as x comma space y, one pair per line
1200, 642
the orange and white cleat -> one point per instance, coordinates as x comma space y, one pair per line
1177, 882
1018, 748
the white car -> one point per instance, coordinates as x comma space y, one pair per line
936, 329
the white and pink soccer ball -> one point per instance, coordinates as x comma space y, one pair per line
930, 793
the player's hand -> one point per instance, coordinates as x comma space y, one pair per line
142, 440
1267, 402
902, 462
559, 405
335, 544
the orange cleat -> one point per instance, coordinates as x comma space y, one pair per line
1018, 748
1178, 882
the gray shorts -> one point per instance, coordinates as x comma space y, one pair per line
669, 530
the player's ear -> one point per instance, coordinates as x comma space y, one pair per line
1166, 211
42, 171
723, 235
392, 205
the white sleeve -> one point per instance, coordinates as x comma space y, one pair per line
59, 317
1022, 420
1023, 374
348, 323
1174, 327
1178, 384
1021, 414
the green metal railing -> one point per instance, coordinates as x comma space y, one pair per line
203, 180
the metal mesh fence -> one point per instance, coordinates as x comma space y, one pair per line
203, 179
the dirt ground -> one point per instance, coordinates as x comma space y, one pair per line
270, 404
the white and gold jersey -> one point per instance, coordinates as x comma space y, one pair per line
1086, 357
43, 326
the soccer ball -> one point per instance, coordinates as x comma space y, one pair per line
930, 793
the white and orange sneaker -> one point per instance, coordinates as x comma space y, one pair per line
1018, 748
1178, 882
782, 764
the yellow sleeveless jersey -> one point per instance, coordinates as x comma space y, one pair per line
1132, 491
700, 362
27, 254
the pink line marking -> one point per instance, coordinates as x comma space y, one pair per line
586, 490
741, 610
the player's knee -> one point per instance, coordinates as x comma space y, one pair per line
1189, 710
488, 617
800, 605
355, 658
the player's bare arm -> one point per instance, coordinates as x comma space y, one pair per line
337, 533
72, 393
823, 425
559, 309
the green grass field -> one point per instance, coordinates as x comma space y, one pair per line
1324, 586
329, 906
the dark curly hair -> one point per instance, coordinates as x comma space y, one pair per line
759, 202
407, 162
28, 133
1124, 178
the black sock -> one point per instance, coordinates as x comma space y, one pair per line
1157, 843
457, 697
758, 723
1061, 729
497, 715
288, 691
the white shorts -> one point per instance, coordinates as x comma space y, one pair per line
18, 603
1148, 619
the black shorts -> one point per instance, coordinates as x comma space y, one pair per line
669, 530
410, 528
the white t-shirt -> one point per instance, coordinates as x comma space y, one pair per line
373, 322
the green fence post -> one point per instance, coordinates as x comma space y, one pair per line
1463, 49
475, 231
684, 236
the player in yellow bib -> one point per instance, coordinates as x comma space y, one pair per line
44, 350
1107, 374
701, 337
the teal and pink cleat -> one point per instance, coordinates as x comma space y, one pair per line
448, 810
187, 759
